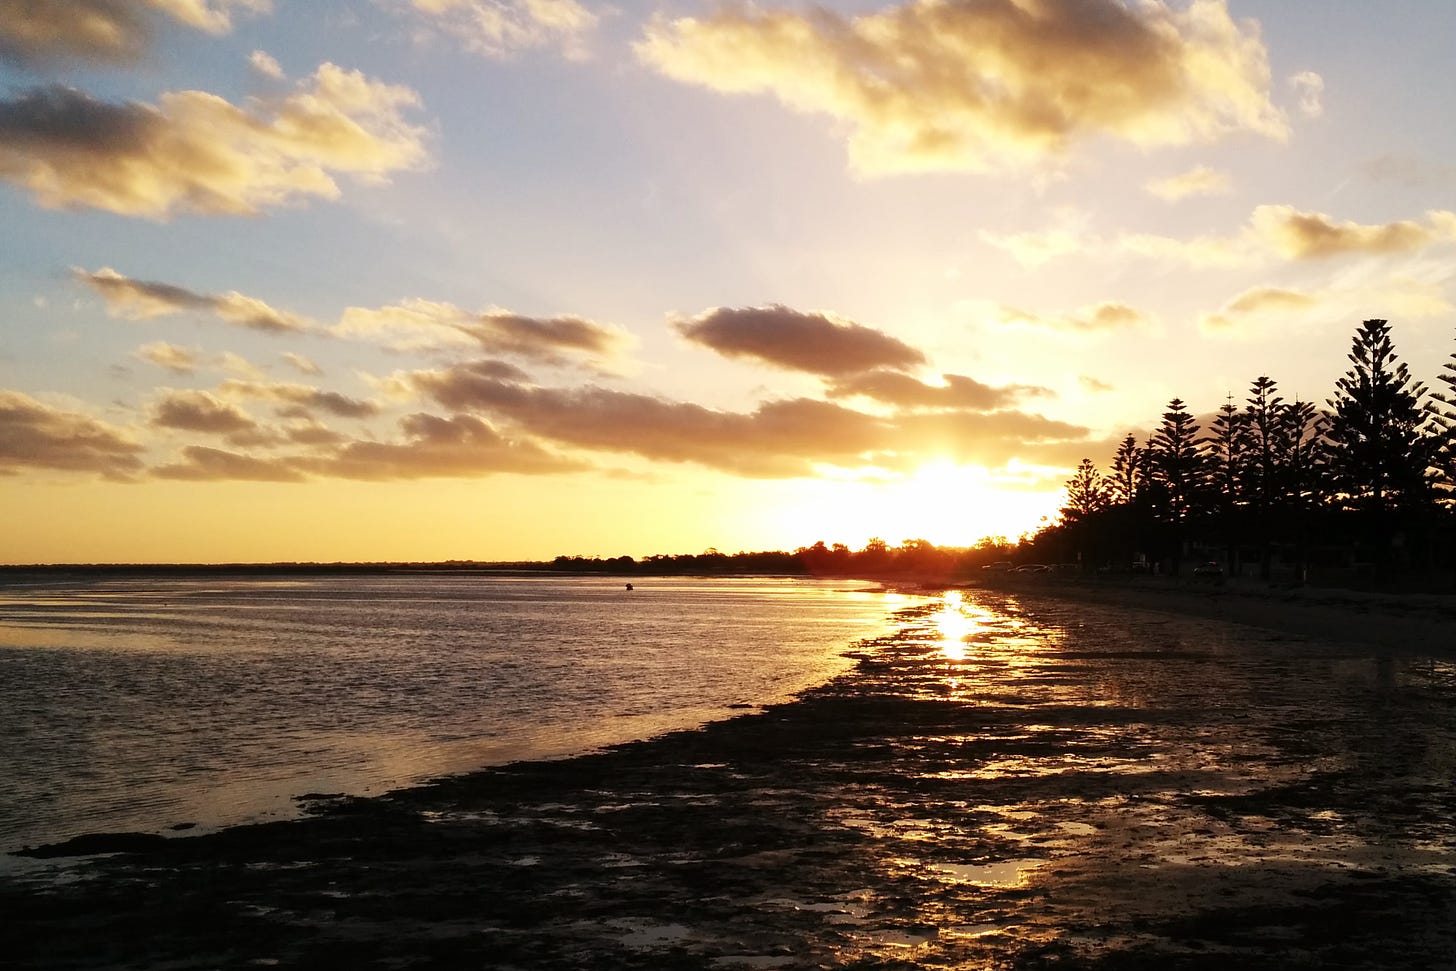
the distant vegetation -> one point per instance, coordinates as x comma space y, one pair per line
1359, 491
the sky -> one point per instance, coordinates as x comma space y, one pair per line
506, 279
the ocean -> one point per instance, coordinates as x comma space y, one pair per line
155, 702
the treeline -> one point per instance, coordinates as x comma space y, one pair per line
913, 557
1361, 490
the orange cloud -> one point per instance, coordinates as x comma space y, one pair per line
36, 435
792, 437
116, 31
986, 85
1299, 235
959, 392
202, 463
1107, 316
146, 299
814, 342
194, 152
454, 447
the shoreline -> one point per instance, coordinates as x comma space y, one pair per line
1416, 623
1089, 788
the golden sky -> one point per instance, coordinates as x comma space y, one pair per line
498, 279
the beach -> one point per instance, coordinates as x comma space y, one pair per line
1009, 779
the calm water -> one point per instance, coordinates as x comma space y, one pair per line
140, 703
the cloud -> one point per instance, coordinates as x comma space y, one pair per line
194, 152
1095, 385
1310, 89
266, 64
145, 299
1300, 235
461, 446
814, 342
985, 85
1199, 181
1272, 232
1256, 304
36, 435
788, 438
301, 401
413, 325
1103, 317
499, 28
201, 463
35, 33
180, 360
301, 364
200, 411
958, 393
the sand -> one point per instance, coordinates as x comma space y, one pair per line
1088, 786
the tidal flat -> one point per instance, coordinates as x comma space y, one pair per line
1005, 781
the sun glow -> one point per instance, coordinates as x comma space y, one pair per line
945, 503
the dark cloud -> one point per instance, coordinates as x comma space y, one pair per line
812, 342
195, 152
301, 401
200, 411
462, 446
35, 33
779, 438
35, 435
200, 463
958, 393
418, 324
145, 299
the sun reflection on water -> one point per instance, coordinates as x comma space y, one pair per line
953, 626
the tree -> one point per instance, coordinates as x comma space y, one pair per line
1086, 493
1441, 430
1179, 467
1380, 453
1226, 450
1126, 481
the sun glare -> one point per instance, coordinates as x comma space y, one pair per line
945, 503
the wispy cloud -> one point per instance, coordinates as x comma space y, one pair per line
1309, 87
500, 28
1272, 232
817, 343
194, 152
425, 324
985, 85
1109, 316
36, 33
145, 299
300, 400
1199, 181
38, 436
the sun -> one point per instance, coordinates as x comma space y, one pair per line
943, 502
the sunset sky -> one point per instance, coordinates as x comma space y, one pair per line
497, 279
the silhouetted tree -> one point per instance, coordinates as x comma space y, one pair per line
1226, 449
1125, 480
1379, 452
1178, 465
1441, 429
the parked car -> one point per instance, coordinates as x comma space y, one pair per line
1000, 566
1211, 570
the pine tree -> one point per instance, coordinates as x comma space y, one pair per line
1125, 482
1086, 493
1225, 450
1179, 466
1380, 453
1441, 430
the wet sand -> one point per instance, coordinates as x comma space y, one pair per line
1088, 786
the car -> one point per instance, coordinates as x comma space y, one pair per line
1032, 568
1000, 566
1210, 570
